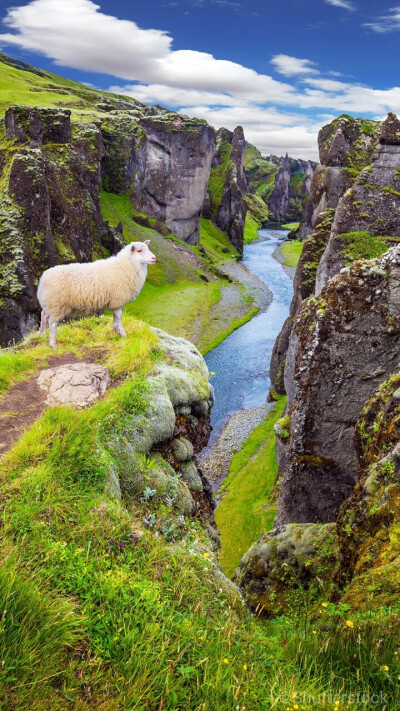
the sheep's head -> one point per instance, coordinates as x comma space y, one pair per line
141, 252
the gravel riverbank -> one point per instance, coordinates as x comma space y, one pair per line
290, 271
215, 460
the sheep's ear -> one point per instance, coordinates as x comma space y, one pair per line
147, 241
133, 248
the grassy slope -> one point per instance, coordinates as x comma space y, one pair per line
89, 624
251, 229
20, 86
291, 250
245, 511
99, 613
175, 296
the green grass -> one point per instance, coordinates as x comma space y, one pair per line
290, 226
251, 229
177, 308
245, 511
89, 623
363, 245
20, 86
215, 242
93, 334
291, 251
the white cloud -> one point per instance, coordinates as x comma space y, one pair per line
341, 3
75, 33
385, 23
292, 66
267, 128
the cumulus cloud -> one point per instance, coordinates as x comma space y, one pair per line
341, 3
75, 33
292, 66
385, 23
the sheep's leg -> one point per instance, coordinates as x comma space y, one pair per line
117, 322
43, 323
53, 332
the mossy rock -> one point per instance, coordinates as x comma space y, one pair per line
152, 481
283, 566
368, 524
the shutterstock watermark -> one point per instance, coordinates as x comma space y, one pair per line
322, 700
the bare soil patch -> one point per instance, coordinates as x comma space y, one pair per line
24, 402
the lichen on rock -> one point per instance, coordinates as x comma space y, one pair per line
284, 567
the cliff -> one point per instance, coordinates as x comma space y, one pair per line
50, 206
338, 355
283, 184
61, 168
225, 203
346, 146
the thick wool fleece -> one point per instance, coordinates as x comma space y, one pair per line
84, 289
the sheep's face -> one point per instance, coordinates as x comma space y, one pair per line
141, 252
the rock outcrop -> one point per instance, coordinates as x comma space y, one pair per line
291, 189
343, 345
76, 384
368, 523
346, 147
173, 429
163, 161
49, 207
299, 559
225, 201
282, 183
175, 164
367, 219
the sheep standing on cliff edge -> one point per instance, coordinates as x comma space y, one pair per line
85, 289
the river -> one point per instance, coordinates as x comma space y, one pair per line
241, 362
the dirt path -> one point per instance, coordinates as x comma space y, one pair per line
23, 403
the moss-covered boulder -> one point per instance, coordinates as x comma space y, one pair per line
286, 568
368, 523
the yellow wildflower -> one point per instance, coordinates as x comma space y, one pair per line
245, 667
385, 667
206, 555
226, 661
314, 632
350, 623
212, 373
324, 604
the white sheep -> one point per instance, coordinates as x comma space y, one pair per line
84, 289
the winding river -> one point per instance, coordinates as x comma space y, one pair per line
241, 362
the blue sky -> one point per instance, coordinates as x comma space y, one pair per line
281, 69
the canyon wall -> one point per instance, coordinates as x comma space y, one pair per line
338, 362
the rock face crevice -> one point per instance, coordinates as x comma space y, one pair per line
225, 202
232, 210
